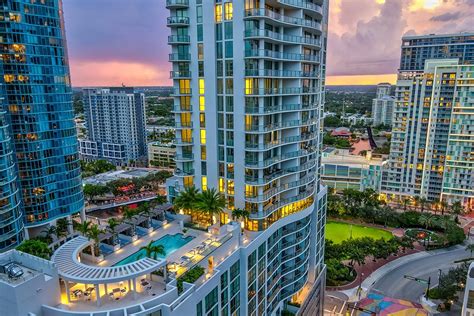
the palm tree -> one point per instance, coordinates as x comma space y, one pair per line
50, 232
240, 215
470, 248
186, 199
427, 220
152, 251
129, 215
36, 248
443, 205
84, 227
423, 202
145, 210
112, 225
93, 234
405, 202
62, 226
210, 203
457, 208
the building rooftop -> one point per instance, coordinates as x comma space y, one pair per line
106, 177
343, 157
467, 33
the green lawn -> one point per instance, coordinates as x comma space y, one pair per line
338, 232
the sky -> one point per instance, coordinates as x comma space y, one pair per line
114, 42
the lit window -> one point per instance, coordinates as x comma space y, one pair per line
202, 103
204, 183
201, 86
203, 137
218, 12
228, 11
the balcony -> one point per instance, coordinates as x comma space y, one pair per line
279, 125
281, 91
177, 4
181, 125
184, 157
280, 173
183, 142
180, 57
279, 108
180, 74
277, 159
265, 13
181, 91
282, 188
177, 21
183, 173
179, 39
252, 146
281, 73
270, 54
302, 4
284, 38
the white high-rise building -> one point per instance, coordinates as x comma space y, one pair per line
382, 105
249, 92
116, 130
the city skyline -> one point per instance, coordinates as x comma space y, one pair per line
126, 42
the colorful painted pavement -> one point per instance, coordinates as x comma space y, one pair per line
385, 306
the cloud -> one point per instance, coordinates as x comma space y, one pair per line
448, 16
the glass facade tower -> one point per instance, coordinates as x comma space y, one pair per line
38, 100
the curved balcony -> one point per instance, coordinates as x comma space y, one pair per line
278, 126
280, 189
282, 38
283, 19
177, 21
183, 124
179, 39
177, 4
281, 73
183, 142
256, 110
280, 91
180, 74
273, 55
184, 157
181, 91
179, 109
252, 146
283, 203
281, 173
277, 159
183, 173
180, 57
303, 4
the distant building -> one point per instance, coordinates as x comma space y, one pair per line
382, 105
355, 119
343, 132
161, 155
468, 301
341, 170
432, 147
115, 120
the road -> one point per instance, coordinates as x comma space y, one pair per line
393, 284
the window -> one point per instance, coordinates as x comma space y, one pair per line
218, 13
203, 137
229, 10
234, 270
199, 309
211, 299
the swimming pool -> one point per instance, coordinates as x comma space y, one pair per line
171, 243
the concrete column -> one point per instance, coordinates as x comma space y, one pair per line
26, 233
106, 289
134, 288
97, 293
68, 293
70, 229
129, 285
83, 214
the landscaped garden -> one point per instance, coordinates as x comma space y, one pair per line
337, 232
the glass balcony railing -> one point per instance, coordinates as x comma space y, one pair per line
281, 91
249, 109
281, 73
179, 39
181, 91
281, 188
279, 125
177, 20
266, 53
184, 157
180, 74
184, 124
179, 57
283, 18
276, 159
302, 4
280, 173
183, 173
279, 142
286, 38
177, 3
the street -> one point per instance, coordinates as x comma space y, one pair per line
393, 284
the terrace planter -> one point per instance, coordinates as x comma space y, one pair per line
116, 247
134, 238
149, 230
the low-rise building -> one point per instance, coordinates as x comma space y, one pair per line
341, 170
161, 155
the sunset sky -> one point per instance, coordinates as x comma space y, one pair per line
112, 42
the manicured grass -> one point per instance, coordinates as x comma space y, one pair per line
338, 232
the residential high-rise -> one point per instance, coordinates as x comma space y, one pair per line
37, 97
115, 121
432, 139
249, 90
382, 105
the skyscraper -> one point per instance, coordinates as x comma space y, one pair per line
249, 92
37, 97
431, 147
382, 105
115, 119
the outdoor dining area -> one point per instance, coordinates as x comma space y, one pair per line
84, 284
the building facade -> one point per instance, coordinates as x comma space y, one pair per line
382, 105
116, 125
431, 136
249, 93
38, 99
342, 170
161, 155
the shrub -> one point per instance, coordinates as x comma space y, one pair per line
36, 248
190, 277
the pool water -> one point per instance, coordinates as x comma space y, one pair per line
171, 243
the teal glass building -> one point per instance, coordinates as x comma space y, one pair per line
38, 99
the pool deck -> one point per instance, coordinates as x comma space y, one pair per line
168, 229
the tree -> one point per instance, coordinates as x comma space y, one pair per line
36, 248
129, 215
92, 190
152, 251
240, 215
50, 232
112, 225
422, 202
186, 199
93, 234
457, 208
443, 205
405, 202
356, 256
145, 210
470, 248
427, 220
62, 226
84, 227
210, 203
